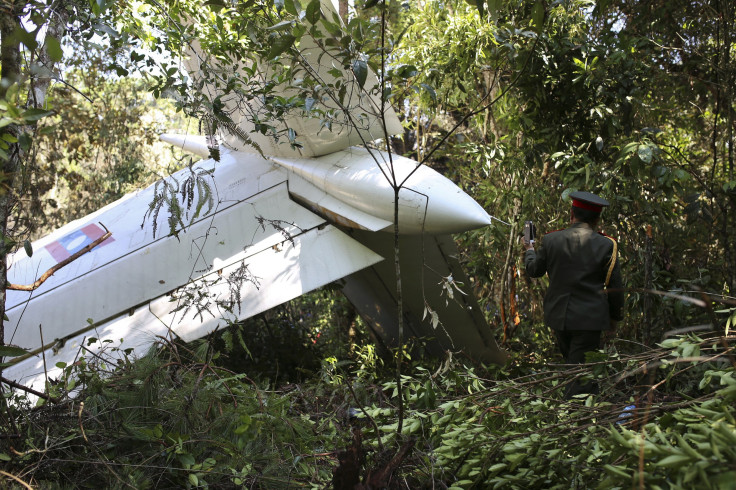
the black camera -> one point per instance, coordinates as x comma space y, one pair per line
530, 231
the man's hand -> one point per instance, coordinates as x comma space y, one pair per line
528, 245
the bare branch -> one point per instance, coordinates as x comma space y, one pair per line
25, 388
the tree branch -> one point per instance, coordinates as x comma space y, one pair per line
25, 388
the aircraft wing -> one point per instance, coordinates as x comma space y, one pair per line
252, 248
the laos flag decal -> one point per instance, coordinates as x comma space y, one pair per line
66, 246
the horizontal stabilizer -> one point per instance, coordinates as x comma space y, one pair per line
240, 246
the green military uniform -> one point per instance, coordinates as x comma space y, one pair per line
577, 261
577, 305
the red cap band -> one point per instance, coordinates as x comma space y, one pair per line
586, 205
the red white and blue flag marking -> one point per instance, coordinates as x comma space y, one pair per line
66, 246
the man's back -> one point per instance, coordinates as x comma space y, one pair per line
577, 260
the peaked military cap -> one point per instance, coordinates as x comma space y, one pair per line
588, 200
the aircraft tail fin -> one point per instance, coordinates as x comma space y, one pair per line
431, 275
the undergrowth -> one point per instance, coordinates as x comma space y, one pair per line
175, 419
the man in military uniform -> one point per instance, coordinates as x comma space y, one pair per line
584, 297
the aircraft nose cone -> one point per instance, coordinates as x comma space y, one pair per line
454, 212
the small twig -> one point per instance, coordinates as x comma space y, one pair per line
21, 387
79, 415
94, 354
43, 356
232, 395
13, 477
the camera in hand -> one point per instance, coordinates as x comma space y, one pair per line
530, 231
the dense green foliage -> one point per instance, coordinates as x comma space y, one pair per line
520, 102
176, 419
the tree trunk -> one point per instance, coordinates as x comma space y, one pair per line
343, 10
11, 62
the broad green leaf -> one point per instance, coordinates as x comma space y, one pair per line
53, 48
313, 11
32, 115
11, 351
27, 38
292, 6
25, 141
616, 470
407, 71
187, 460
360, 70
674, 460
280, 45
645, 153
670, 343
215, 5
430, 90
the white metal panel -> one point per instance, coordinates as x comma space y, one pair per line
294, 267
333, 209
362, 122
138, 275
428, 202
138, 266
236, 177
192, 143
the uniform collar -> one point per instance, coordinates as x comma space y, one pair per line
581, 224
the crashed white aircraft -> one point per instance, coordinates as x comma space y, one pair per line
278, 225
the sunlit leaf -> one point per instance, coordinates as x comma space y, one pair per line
645, 153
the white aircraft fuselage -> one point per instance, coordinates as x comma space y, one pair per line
279, 224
